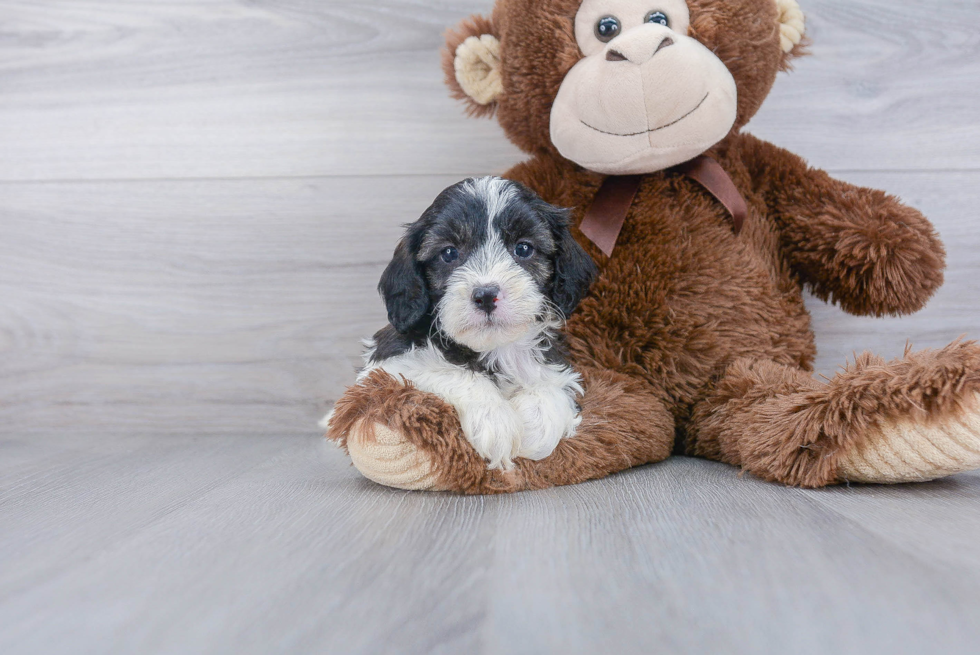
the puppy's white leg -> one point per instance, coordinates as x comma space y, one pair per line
491, 425
550, 414
324, 422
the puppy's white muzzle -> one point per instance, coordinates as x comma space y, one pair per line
468, 316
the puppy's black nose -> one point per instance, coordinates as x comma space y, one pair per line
486, 298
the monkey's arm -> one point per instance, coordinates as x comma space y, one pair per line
857, 247
402, 437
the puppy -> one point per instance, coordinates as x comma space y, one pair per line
476, 294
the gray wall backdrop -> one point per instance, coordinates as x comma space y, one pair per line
197, 199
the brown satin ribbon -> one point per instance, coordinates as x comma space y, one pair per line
708, 173
604, 220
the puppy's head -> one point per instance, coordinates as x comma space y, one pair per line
489, 263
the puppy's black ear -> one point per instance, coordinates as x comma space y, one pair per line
404, 289
574, 269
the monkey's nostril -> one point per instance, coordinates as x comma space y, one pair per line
615, 55
664, 44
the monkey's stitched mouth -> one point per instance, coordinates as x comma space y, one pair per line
656, 129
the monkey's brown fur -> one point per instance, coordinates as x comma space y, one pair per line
690, 330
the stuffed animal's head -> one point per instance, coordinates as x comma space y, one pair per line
622, 86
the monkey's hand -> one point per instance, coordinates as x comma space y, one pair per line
857, 247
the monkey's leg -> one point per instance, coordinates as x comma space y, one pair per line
913, 419
401, 437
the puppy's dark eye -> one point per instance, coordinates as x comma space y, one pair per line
449, 254
524, 250
657, 17
607, 28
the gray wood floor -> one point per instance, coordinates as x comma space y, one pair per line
196, 201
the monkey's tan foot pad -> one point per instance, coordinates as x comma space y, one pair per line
911, 450
385, 456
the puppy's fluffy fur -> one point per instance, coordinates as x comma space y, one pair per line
476, 293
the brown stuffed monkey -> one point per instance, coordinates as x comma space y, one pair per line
695, 338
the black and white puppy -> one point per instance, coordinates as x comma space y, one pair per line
476, 293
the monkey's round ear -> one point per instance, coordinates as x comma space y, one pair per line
792, 29
471, 63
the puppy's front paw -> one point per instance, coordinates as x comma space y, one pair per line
494, 429
548, 416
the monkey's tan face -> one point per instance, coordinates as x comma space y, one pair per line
645, 96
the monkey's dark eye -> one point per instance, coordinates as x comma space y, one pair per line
657, 17
607, 28
449, 254
524, 250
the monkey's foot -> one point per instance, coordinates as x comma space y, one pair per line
404, 438
387, 457
917, 450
